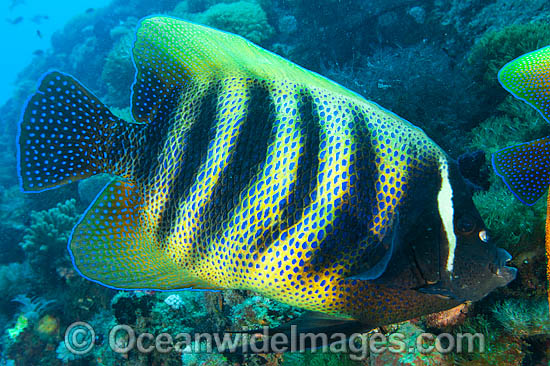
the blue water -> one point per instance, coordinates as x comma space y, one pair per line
32, 33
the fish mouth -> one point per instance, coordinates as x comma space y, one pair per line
500, 268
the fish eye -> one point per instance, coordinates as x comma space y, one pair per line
465, 225
484, 236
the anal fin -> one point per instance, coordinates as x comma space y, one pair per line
113, 245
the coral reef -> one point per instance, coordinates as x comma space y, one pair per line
320, 358
32, 332
188, 315
492, 51
188, 357
411, 353
48, 326
50, 226
512, 123
19, 327
469, 19
514, 226
64, 355
13, 211
183, 9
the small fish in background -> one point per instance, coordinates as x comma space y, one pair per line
243, 170
16, 20
89, 10
38, 33
39, 18
38, 53
525, 168
16, 3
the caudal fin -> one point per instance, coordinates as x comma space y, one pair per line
64, 134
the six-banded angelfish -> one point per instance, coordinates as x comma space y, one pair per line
242, 170
525, 168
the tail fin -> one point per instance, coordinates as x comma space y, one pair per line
64, 134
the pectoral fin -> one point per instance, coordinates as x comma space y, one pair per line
388, 245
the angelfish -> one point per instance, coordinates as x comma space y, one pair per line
525, 168
242, 170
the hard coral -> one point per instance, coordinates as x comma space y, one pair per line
45, 240
245, 18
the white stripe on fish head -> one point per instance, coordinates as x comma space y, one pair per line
446, 211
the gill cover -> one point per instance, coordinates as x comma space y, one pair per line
471, 266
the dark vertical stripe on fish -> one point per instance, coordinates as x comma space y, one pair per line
308, 163
151, 141
196, 140
249, 156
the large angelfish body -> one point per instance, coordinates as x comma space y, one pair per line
243, 170
525, 168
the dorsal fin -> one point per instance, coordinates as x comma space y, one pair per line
168, 53
528, 78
